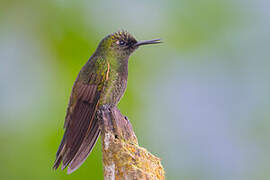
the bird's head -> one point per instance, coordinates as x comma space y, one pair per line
121, 44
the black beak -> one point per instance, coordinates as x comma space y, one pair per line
153, 41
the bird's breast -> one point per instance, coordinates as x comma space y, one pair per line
114, 89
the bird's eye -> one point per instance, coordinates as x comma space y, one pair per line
121, 43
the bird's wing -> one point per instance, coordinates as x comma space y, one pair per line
81, 124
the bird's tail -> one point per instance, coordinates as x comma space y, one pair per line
83, 152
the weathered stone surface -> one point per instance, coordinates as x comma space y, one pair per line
123, 158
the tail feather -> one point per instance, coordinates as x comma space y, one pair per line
59, 156
85, 149
57, 162
81, 154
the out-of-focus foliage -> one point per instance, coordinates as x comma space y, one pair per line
199, 101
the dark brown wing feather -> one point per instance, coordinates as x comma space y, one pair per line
86, 148
81, 126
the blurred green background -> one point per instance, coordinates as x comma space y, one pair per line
200, 101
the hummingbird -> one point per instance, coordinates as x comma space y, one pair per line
101, 81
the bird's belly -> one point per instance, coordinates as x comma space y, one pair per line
113, 91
